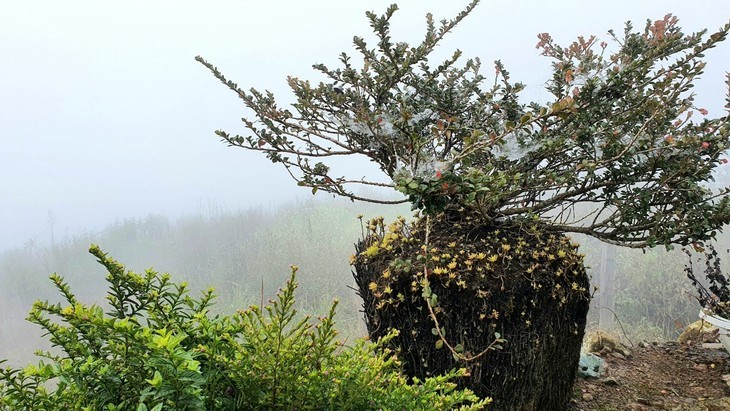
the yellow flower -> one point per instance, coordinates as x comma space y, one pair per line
492, 258
439, 270
506, 247
452, 265
373, 286
386, 273
371, 251
452, 244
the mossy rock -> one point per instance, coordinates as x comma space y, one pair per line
483, 282
600, 341
698, 331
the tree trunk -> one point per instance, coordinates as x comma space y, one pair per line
528, 285
607, 287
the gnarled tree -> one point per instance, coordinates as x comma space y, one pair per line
620, 153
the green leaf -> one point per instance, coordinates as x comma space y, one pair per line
439, 344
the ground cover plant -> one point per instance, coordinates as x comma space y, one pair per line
158, 348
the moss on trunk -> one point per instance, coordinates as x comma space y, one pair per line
512, 278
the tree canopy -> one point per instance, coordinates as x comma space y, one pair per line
620, 152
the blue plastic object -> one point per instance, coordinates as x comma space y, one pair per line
591, 366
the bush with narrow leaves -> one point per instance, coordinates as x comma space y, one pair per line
158, 348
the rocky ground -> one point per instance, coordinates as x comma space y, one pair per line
659, 376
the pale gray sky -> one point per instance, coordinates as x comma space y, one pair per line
104, 115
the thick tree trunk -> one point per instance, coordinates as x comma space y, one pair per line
534, 293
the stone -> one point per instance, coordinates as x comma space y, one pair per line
601, 341
611, 381
698, 332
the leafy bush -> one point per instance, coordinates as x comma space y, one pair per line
158, 348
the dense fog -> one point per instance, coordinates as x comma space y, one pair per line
106, 137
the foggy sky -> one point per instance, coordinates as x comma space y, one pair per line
104, 114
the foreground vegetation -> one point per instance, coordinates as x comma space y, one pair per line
159, 348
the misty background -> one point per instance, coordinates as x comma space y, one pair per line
106, 136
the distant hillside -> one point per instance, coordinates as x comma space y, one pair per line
239, 253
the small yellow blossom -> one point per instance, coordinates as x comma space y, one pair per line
371, 251
452, 265
373, 286
492, 258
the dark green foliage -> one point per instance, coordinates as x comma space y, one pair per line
714, 288
158, 348
615, 155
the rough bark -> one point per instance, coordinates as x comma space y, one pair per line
535, 295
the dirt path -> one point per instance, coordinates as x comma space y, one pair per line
663, 376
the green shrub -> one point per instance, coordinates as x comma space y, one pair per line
158, 348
